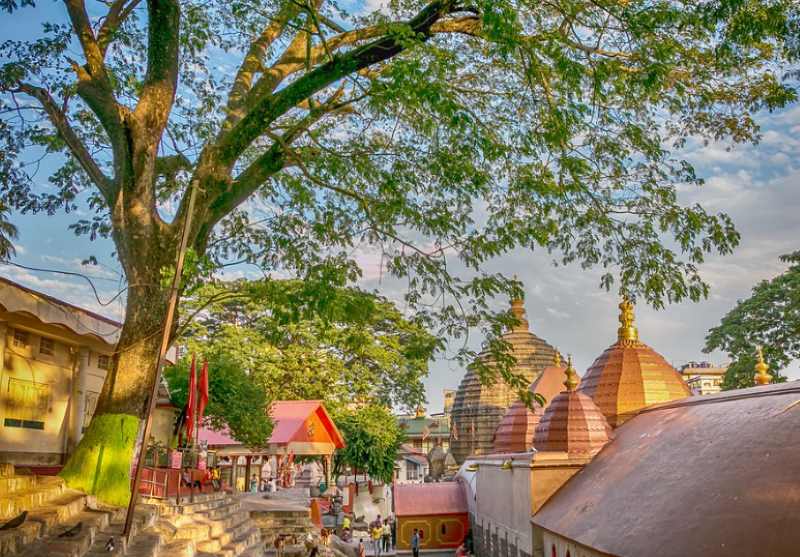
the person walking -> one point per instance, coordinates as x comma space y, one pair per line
415, 543
386, 535
362, 550
279, 545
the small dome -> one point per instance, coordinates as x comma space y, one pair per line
515, 432
630, 375
572, 422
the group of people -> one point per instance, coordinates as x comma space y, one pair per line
210, 476
381, 536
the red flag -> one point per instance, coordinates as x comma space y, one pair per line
203, 392
191, 403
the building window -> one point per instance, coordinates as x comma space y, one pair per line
47, 346
91, 405
27, 404
20, 338
104, 362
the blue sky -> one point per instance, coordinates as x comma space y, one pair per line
758, 185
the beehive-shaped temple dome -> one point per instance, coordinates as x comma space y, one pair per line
572, 422
515, 432
630, 375
478, 409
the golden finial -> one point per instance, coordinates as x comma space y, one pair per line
762, 377
420, 411
518, 311
627, 333
572, 380
557, 359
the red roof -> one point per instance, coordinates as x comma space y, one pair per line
290, 417
217, 438
429, 499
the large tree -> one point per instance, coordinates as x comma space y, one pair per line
769, 318
440, 133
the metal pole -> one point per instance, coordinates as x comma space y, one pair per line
173, 302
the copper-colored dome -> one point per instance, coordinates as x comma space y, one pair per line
572, 423
630, 375
478, 408
515, 432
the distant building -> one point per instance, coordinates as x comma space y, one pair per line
437, 510
425, 432
411, 465
703, 378
54, 358
478, 408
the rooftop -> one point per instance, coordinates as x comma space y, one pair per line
721, 470
429, 499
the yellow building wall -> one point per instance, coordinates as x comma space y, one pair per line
27, 367
441, 531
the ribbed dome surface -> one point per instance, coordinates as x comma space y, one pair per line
630, 375
572, 423
478, 409
515, 432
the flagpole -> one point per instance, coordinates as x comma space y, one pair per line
162, 352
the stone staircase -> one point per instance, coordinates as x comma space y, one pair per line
294, 524
213, 525
49, 503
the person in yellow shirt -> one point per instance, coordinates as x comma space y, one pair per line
376, 534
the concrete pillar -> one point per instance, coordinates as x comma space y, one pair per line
77, 407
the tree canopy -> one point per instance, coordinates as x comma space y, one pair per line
435, 133
373, 437
235, 400
769, 318
296, 343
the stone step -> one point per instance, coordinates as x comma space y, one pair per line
204, 529
218, 542
171, 509
46, 488
41, 520
236, 547
92, 523
177, 548
143, 522
217, 513
13, 484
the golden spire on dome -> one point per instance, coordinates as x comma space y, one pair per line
572, 380
557, 359
627, 333
762, 377
518, 311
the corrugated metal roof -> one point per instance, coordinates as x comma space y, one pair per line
429, 499
714, 476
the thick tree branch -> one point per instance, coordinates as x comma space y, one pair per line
270, 107
254, 59
117, 14
161, 79
74, 143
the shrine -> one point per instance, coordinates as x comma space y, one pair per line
301, 428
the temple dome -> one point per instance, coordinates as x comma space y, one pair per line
515, 432
478, 408
630, 375
572, 422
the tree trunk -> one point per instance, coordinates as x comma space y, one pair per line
101, 463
